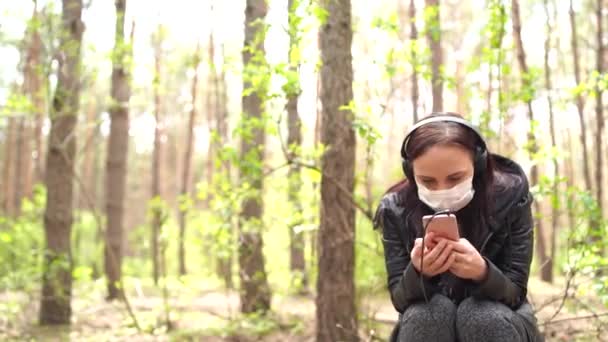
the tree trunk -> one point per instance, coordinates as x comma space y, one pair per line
570, 181
8, 202
414, 57
555, 207
35, 89
212, 101
216, 112
32, 89
294, 141
55, 307
22, 181
186, 179
315, 187
335, 302
116, 162
156, 159
580, 102
255, 291
433, 31
599, 117
532, 143
90, 154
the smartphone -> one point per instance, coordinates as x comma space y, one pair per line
444, 225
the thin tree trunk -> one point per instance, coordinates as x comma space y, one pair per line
221, 110
186, 178
116, 162
215, 110
555, 207
532, 143
22, 164
32, 89
315, 186
570, 181
580, 102
599, 117
414, 57
433, 31
211, 108
335, 302
8, 204
89, 151
294, 141
55, 307
255, 291
156, 159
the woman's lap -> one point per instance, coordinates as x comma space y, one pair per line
472, 320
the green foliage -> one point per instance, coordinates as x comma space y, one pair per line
431, 22
87, 247
22, 245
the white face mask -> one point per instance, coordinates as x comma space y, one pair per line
452, 199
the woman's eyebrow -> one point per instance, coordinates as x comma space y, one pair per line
458, 173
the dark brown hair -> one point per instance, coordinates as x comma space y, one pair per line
475, 216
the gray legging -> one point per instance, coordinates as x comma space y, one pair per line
473, 320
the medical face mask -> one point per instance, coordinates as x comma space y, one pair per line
452, 199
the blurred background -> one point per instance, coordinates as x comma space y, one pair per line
163, 162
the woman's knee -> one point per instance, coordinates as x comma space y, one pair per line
485, 320
439, 307
429, 321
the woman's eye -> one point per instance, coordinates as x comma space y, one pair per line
455, 180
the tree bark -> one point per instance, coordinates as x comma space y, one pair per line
8, 202
90, 154
580, 102
212, 104
599, 117
255, 291
23, 158
532, 143
116, 162
294, 141
156, 158
555, 205
433, 32
186, 177
217, 112
55, 307
335, 302
221, 111
570, 174
414, 57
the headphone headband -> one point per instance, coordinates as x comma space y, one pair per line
440, 118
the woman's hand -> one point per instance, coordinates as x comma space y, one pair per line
436, 260
468, 264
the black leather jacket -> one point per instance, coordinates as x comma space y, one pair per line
507, 249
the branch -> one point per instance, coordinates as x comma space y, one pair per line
597, 316
293, 161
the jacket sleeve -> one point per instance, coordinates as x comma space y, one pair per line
403, 279
507, 279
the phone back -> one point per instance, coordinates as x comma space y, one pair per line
444, 225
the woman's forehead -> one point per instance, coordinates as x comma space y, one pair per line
443, 160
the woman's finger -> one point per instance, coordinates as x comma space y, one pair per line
434, 253
448, 264
441, 259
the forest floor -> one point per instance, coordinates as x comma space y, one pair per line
212, 315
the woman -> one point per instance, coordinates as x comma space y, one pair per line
473, 289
